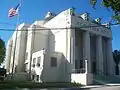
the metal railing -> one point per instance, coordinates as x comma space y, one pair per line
82, 70
105, 77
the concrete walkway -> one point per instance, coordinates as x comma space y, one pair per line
92, 87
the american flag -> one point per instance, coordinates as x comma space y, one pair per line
13, 11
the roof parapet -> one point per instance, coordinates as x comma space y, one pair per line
98, 20
49, 16
107, 25
85, 16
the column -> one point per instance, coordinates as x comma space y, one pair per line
86, 49
99, 51
72, 54
110, 61
8, 56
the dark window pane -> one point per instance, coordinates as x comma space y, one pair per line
37, 78
81, 63
38, 61
38, 64
26, 66
53, 61
33, 76
33, 65
76, 65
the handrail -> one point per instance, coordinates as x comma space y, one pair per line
82, 70
105, 77
103, 73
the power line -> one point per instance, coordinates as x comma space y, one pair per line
87, 26
40, 29
15, 25
3, 29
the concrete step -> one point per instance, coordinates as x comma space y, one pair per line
104, 79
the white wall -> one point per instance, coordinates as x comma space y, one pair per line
82, 78
100, 30
37, 70
56, 74
36, 40
62, 20
61, 36
48, 73
55, 40
19, 50
8, 55
59, 41
79, 78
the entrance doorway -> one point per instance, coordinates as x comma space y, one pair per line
94, 70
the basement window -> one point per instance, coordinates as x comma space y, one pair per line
33, 65
34, 60
38, 61
26, 67
37, 78
53, 62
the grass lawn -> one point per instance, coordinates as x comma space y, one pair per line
12, 85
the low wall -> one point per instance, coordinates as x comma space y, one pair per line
83, 78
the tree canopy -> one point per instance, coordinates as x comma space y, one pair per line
2, 50
114, 5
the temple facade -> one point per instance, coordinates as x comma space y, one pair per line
64, 47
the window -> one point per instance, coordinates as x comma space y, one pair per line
33, 65
81, 64
37, 78
76, 64
26, 56
26, 67
34, 60
33, 77
53, 61
38, 61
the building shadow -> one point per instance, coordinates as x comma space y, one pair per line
60, 73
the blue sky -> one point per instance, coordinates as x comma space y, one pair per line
32, 10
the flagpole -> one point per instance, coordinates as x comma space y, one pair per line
17, 23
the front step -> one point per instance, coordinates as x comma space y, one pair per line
17, 77
105, 79
99, 82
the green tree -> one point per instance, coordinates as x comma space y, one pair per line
116, 57
2, 50
114, 5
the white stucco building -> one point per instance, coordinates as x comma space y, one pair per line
62, 48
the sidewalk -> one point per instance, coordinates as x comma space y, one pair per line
97, 86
